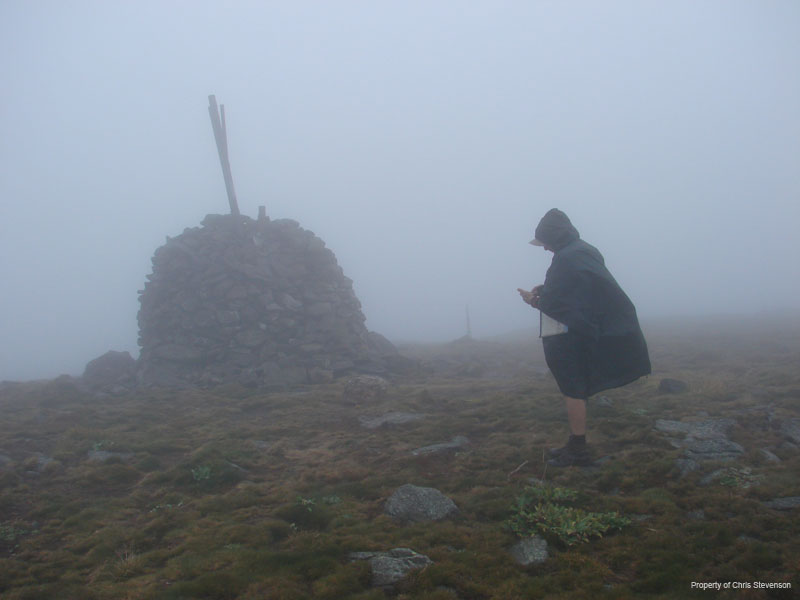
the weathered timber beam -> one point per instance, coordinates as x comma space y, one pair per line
221, 137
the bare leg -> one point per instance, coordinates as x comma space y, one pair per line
574, 453
576, 415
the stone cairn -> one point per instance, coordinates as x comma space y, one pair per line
259, 302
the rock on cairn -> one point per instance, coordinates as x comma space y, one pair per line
255, 302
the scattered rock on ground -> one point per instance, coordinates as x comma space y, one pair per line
364, 388
530, 551
604, 401
686, 465
787, 503
736, 477
457, 442
791, 429
713, 449
112, 371
40, 462
713, 476
705, 440
390, 567
411, 503
769, 456
261, 444
706, 428
391, 418
672, 386
599, 462
105, 455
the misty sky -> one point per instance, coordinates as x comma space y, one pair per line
422, 140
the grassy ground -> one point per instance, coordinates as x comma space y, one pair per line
235, 493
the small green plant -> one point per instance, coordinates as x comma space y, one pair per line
307, 503
201, 473
541, 510
306, 514
739, 478
9, 533
159, 507
547, 494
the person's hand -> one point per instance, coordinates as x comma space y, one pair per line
531, 297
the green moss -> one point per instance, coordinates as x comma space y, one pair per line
308, 565
673, 574
52, 590
657, 500
610, 479
758, 558
203, 511
305, 513
8, 479
148, 464
342, 582
208, 586
202, 477
112, 473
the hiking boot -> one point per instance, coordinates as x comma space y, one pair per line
572, 444
569, 457
556, 452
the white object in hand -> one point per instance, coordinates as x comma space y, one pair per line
549, 326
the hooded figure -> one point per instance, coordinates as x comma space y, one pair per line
601, 345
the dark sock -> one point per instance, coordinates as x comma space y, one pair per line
577, 442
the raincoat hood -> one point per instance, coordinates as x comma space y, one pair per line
555, 230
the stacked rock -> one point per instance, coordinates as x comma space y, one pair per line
258, 302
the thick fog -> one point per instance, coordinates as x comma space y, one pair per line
421, 140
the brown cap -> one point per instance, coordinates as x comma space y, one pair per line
536, 242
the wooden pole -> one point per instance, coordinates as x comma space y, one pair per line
221, 137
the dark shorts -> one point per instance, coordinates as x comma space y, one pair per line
583, 366
568, 357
